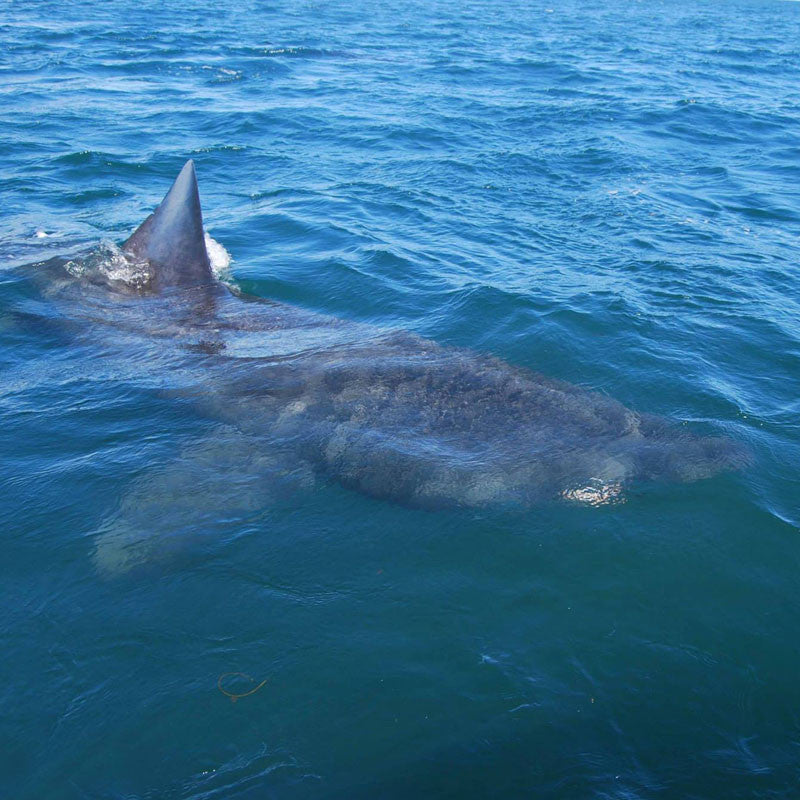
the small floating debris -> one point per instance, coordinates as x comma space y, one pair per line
234, 696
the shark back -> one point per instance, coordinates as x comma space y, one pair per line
172, 240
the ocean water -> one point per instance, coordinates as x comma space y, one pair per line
608, 194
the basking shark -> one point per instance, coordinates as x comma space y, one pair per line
298, 397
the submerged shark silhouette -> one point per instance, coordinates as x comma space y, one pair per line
389, 414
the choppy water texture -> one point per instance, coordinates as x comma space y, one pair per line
607, 195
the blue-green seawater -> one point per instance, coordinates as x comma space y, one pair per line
607, 193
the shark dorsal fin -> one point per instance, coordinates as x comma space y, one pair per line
171, 239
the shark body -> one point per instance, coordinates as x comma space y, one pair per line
388, 414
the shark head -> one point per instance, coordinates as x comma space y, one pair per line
171, 240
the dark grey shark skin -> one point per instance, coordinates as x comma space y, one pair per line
300, 396
171, 239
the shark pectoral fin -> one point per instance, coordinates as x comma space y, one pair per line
213, 488
171, 240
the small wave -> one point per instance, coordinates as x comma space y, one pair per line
220, 148
304, 52
82, 158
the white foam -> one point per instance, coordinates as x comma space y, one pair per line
112, 263
596, 494
220, 258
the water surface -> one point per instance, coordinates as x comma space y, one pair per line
606, 194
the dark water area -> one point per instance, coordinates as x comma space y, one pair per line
608, 195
